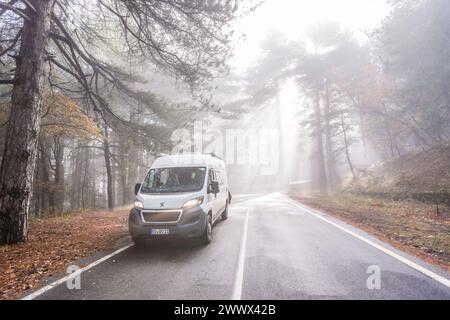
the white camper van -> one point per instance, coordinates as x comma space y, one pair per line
182, 196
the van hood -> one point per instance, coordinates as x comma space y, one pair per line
166, 200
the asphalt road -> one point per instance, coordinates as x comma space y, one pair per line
269, 248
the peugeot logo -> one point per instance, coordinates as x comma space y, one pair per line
161, 204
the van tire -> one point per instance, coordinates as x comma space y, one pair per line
139, 242
206, 237
224, 215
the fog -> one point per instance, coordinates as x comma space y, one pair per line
285, 110
301, 95
331, 120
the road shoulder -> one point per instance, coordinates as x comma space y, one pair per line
408, 226
54, 244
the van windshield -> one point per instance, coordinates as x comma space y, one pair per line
174, 180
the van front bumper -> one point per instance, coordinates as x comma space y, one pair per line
191, 224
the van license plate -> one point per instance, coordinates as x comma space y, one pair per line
159, 232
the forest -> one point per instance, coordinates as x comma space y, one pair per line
81, 122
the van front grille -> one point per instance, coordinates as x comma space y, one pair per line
161, 216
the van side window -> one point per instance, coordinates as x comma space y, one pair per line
211, 176
216, 175
219, 177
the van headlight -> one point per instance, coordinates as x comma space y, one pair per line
193, 203
138, 204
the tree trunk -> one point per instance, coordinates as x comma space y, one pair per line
283, 179
362, 125
109, 177
105, 187
58, 188
330, 161
321, 180
94, 187
37, 192
45, 178
18, 163
347, 147
132, 173
77, 164
84, 180
395, 151
124, 172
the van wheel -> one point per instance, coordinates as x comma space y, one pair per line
224, 215
139, 242
206, 238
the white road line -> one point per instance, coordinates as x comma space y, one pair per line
73, 275
239, 275
431, 274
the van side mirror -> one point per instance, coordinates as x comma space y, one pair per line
214, 187
137, 187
